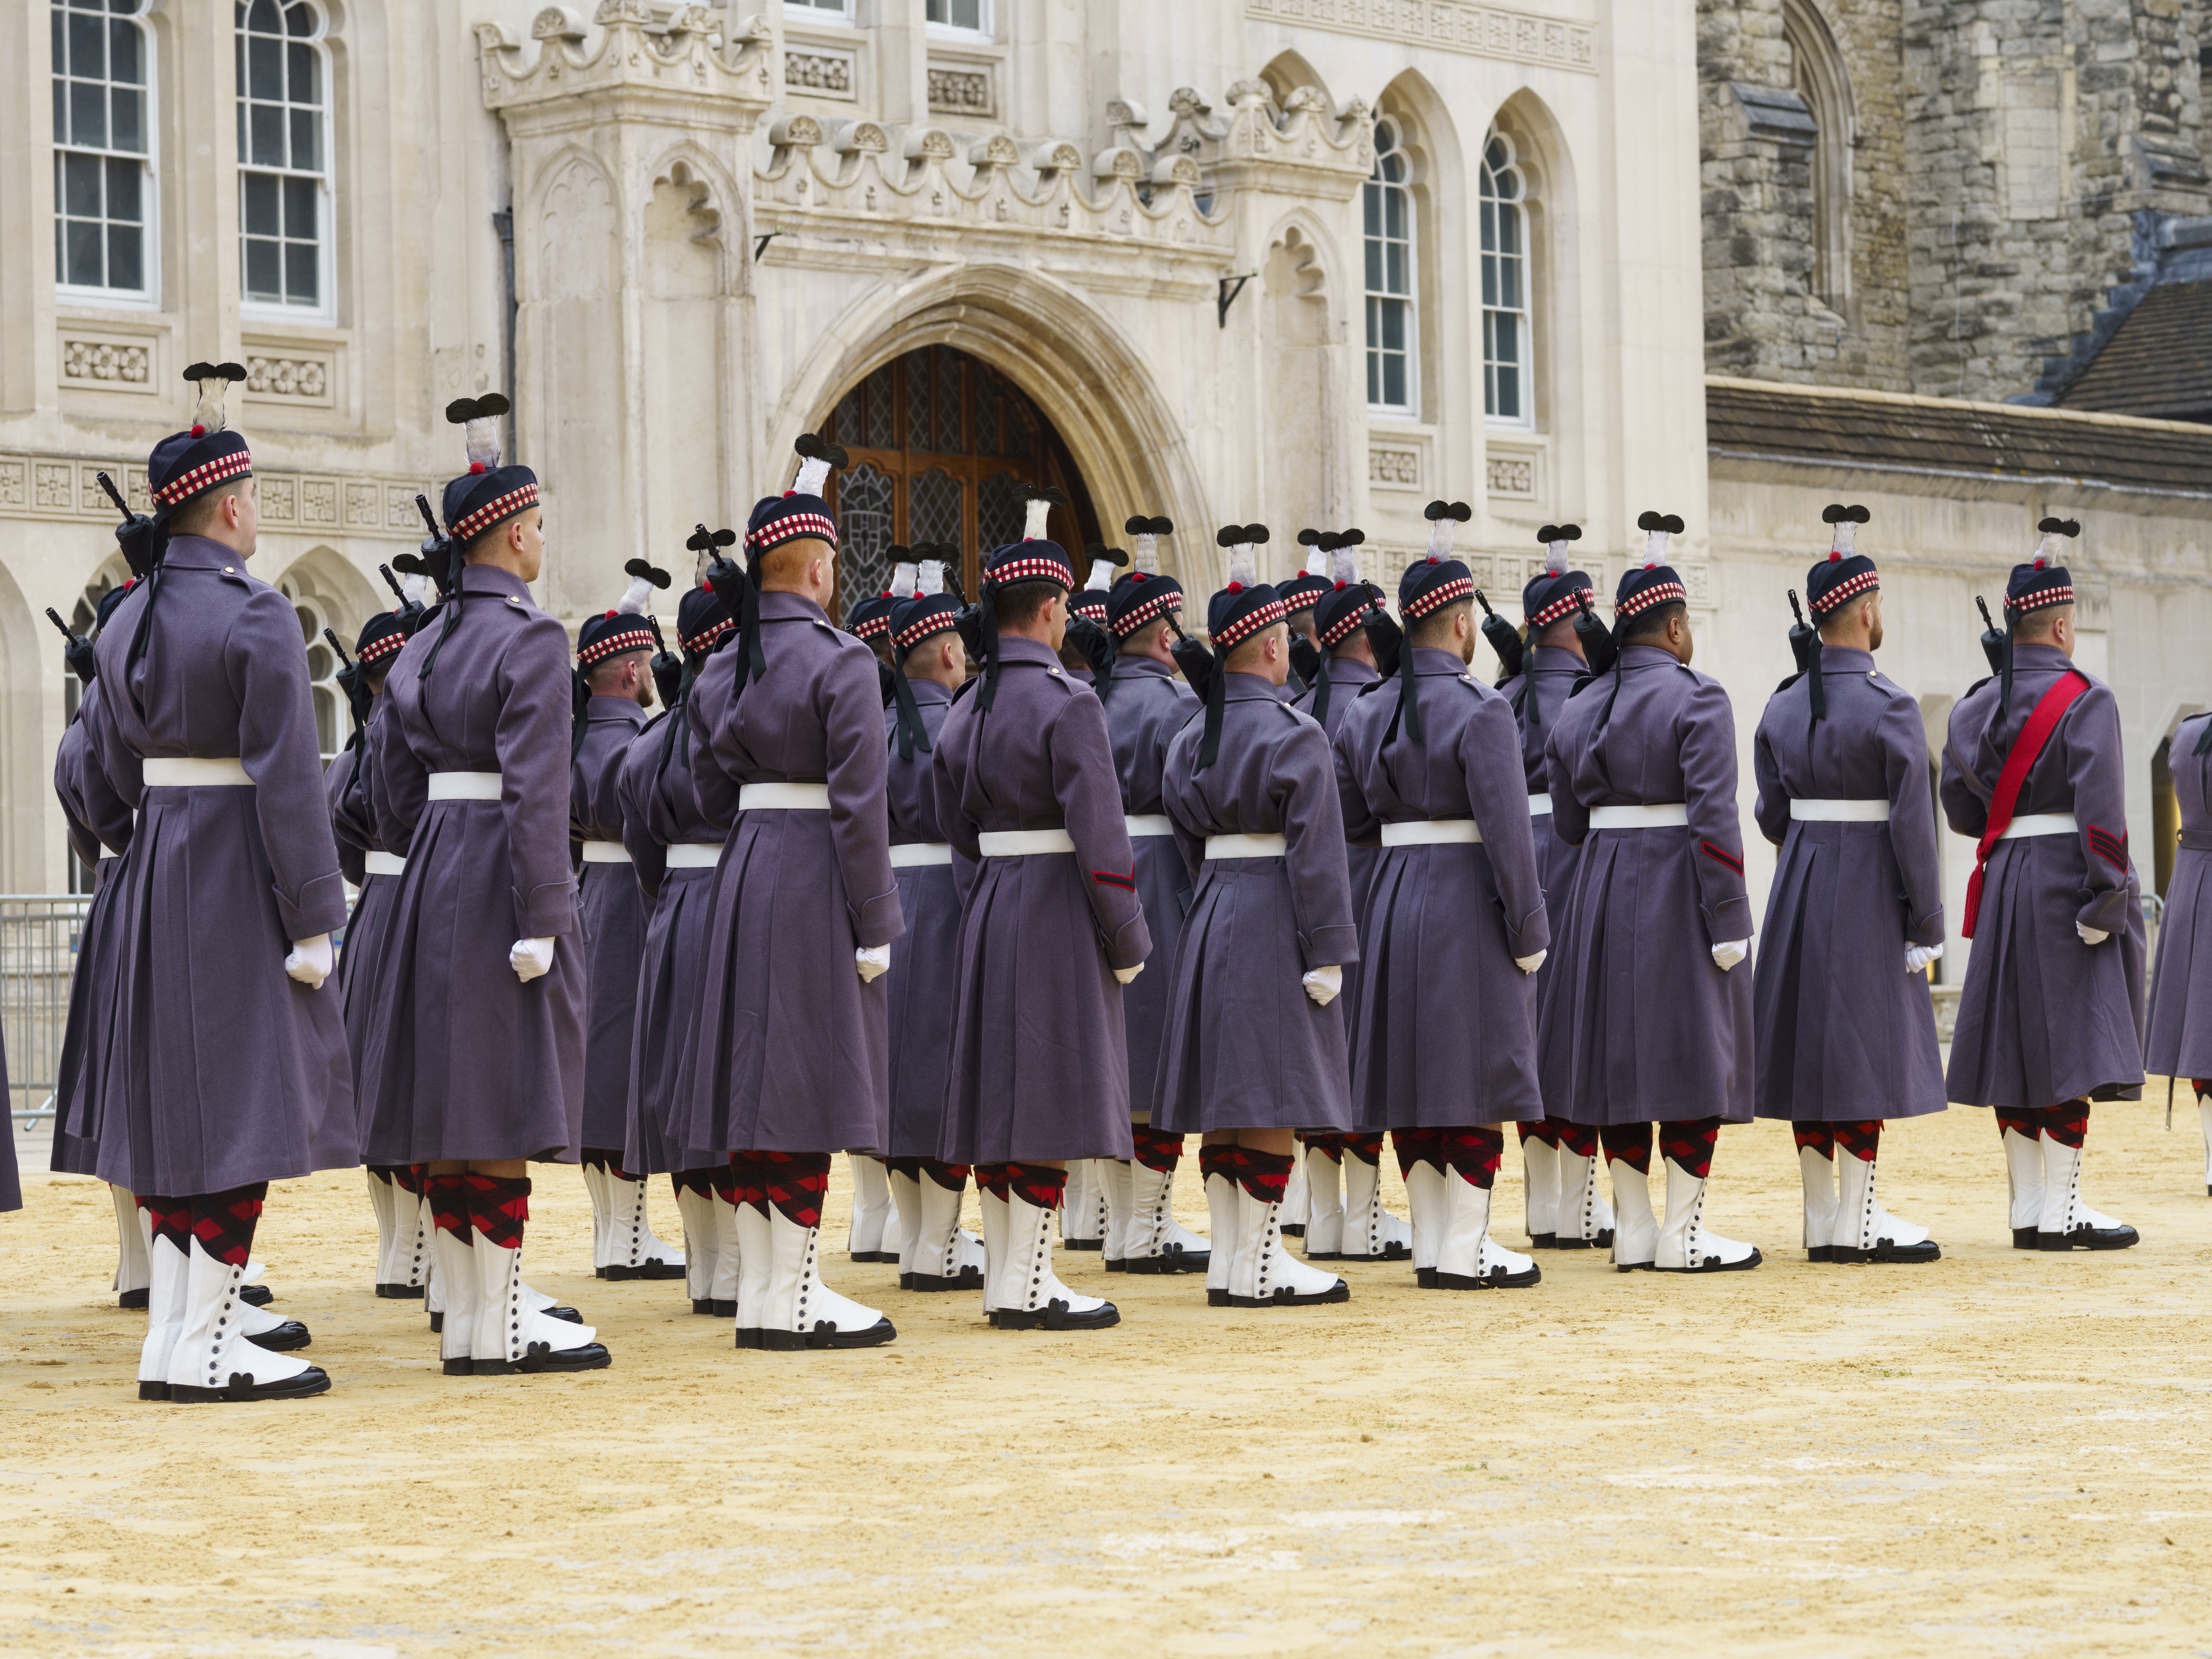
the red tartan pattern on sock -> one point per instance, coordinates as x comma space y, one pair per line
170, 1219
1036, 1183
409, 1177
448, 1197
499, 1208
991, 1178
705, 1181
1689, 1146
1473, 1153
1266, 1175
2068, 1125
953, 1177
224, 1222
1367, 1148
796, 1183
1217, 1160
1157, 1150
1331, 1147
1545, 1129
1820, 1137
1580, 1139
1861, 1140
1416, 1147
2026, 1124
1627, 1143
2203, 1085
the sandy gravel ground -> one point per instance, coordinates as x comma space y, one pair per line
2002, 1453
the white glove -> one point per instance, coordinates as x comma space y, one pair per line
2091, 935
1918, 956
1726, 956
530, 958
872, 962
1530, 964
1123, 976
1323, 984
310, 961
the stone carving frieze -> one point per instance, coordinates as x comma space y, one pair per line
1455, 25
694, 50
68, 487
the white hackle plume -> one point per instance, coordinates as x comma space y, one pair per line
480, 437
1145, 553
1243, 570
1556, 555
1344, 562
1318, 561
1440, 537
813, 473
1846, 541
414, 586
634, 598
1102, 574
1036, 513
2051, 549
207, 409
1655, 542
929, 579
905, 579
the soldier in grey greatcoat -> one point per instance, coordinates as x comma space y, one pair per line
786, 1062
2178, 1042
233, 1069
1252, 1052
874, 1234
2050, 1016
614, 688
1456, 928
1642, 1019
1024, 782
479, 1071
1145, 706
1846, 1029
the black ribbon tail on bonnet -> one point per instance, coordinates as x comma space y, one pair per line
580, 705
1216, 699
911, 734
1321, 684
988, 693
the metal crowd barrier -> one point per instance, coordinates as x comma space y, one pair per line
37, 953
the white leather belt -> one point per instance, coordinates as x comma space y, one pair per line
1671, 815
1149, 824
466, 786
186, 773
605, 852
917, 854
1246, 846
1839, 811
1540, 805
1023, 843
1431, 832
784, 798
694, 855
383, 864
2041, 823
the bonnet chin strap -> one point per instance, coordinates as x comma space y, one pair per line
911, 734
1322, 681
1409, 699
1217, 699
154, 549
989, 608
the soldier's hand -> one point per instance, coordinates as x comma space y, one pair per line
1726, 956
1321, 984
310, 961
873, 960
530, 958
1125, 975
2091, 935
1530, 964
1918, 956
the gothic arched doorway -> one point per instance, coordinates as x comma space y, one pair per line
938, 441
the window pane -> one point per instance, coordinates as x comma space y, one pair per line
127, 129
1374, 263
123, 192
1509, 230
306, 140
263, 270
84, 264
88, 56
261, 204
1374, 377
266, 123
948, 403
125, 257
1394, 269
1393, 381
301, 20
262, 17
301, 275
300, 68
265, 76
1394, 324
847, 425
1489, 281
57, 34
881, 425
1371, 207
935, 507
80, 182
1509, 283
88, 114
917, 399
123, 47
300, 208
1507, 339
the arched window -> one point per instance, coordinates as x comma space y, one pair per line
1389, 209
316, 611
283, 157
1819, 76
103, 150
1506, 382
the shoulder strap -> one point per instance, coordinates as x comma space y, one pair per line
2027, 749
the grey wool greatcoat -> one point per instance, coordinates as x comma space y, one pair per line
2179, 1043
1448, 1022
1039, 1062
1347, 677
1539, 695
659, 810
1356, 732
1636, 1024
473, 1063
613, 914
1845, 1033
2044, 1018
236, 1073
99, 823
364, 979
925, 964
789, 1050
1245, 1047
1148, 706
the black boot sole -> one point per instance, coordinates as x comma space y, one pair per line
592, 1357
1820, 1253
141, 1298
703, 1305
1216, 1299
1543, 1241
313, 1381
749, 1336
931, 1284
286, 1337
1889, 1254
153, 1391
388, 1292
257, 1296
1710, 1266
669, 1270
1390, 1253
1083, 1245
1500, 1281
1341, 1293
723, 1310
824, 1336
1424, 1279
1050, 1319
2089, 1238
1296, 1229
1181, 1261
1635, 1266
1603, 1241
458, 1368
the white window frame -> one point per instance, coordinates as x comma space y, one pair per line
983, 31
1373, 297
1495, 265
324, 311
148, 296
838, 13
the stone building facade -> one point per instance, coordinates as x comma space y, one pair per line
1310, 262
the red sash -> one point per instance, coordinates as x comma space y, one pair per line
2027, 749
